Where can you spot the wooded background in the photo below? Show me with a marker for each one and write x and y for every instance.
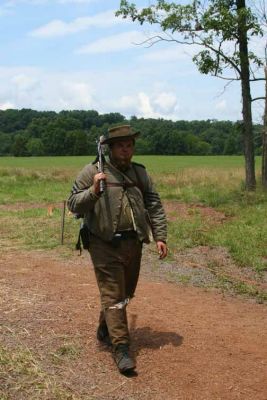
(37, 133)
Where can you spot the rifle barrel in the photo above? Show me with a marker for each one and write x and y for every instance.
(100, 166)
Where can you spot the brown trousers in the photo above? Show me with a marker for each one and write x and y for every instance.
(117, 271)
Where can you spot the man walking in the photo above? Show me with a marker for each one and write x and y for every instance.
(126, 215)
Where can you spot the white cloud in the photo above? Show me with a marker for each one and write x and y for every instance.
(76, 1)
(42, 90)
(24, 81)
(139, 104)
(53, 28)
(37, 89)
(7, 7)
(75, 95)
(14, 3)
(4, 10)
(7, 105)
(221, 106)
(258, 45)
(153, 105)
(25, 87)
(145, 107)
(113, 43)
(9, 4)
(60, 28)
(128, 103)
(166, 101)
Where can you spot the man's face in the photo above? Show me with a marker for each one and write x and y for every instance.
(122, 152)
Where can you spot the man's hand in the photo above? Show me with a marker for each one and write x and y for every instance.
(96, 183)
(162, 249)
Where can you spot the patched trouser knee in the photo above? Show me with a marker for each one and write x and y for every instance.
(116, 320)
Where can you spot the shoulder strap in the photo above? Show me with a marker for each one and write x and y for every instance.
(139, 180)
(130, 182)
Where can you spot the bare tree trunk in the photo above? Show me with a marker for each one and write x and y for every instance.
(246, 98)
(264, 139)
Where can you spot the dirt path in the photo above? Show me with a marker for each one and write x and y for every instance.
(189, 343)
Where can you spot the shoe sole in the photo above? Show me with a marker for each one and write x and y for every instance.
(127, 369)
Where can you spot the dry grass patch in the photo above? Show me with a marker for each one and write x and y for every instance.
(22, 377)
(193, 176)
(58, 174)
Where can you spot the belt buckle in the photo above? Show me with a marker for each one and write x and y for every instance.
(116, 239)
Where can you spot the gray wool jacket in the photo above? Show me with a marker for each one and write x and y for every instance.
(101, 213)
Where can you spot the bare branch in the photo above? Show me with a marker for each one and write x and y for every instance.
(225, 78)
(224, 88)
(258, 98)
(157, 38)
(257, 79)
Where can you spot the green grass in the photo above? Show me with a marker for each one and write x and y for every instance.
(185, 233)
(45, 162)
(153, 163)
(35, 229)
(65, 352)
(210, 180)
(216, 182)
(245, 236)
(22, 376)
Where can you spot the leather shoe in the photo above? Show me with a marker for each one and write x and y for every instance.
(124, 362)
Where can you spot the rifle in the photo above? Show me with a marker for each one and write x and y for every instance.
(84, 234)
(101, 160)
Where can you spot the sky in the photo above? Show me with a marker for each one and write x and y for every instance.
(75, 54)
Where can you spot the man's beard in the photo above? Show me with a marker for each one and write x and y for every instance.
(122, 164)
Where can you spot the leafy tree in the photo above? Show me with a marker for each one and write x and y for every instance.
(111, 118)
(5, 143)
(54, 142)
(49, 133)
(19, 148)
(38, 126)
(87, 118)
(80, 146)
(66, 123)
(142, 146)
(230, 147)
(212, 25)
(35, 147)
(94, 133)
(14, 120)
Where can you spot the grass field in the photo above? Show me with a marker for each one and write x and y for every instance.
(153, 163)
(189, 178)
(29, 185)
(214, 225)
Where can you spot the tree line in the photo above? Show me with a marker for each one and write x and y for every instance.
(28, 132)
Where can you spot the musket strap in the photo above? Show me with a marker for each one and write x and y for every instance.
(128, 182)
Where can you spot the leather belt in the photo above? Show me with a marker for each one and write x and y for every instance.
(125, 235)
